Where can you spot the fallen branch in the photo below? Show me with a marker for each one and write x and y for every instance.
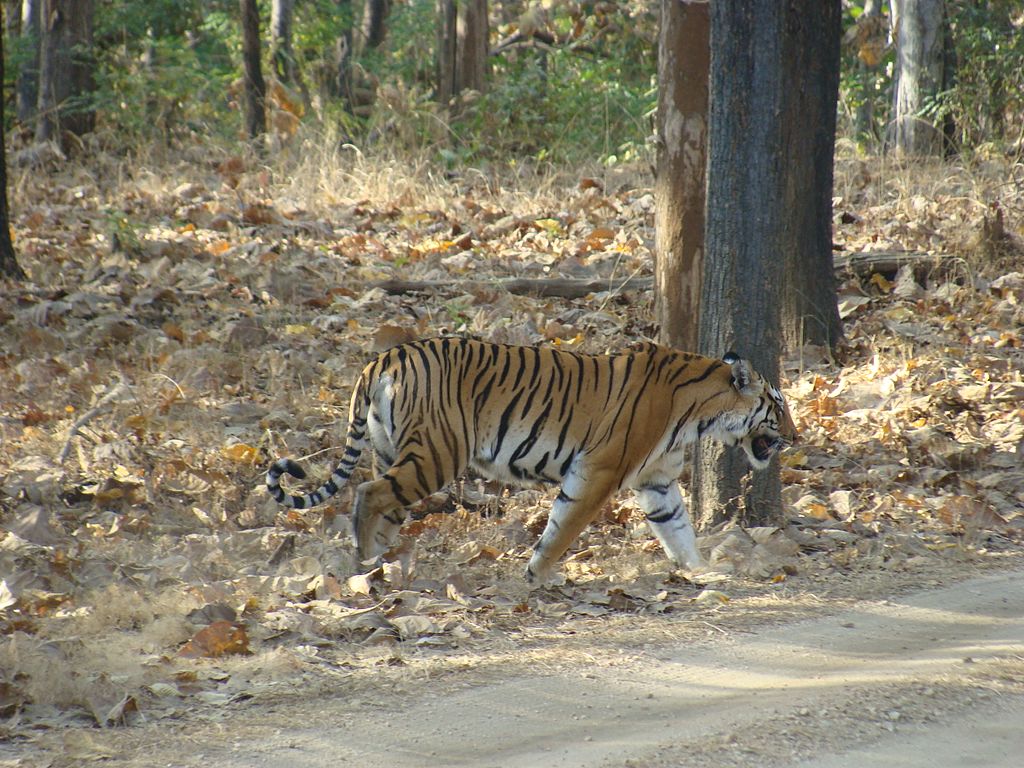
(862, 264)
(105, 401)
(566, 288)
(866, 263)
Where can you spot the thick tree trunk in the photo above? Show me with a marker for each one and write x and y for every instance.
(27, 86)
(744, 236)
(810, 312)
(472, 47)
(446, 47)
(66, 68)
(254, 87)
(919, 27)
(683, 60)
(9, 266)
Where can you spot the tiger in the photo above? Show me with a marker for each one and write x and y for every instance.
(594, 424)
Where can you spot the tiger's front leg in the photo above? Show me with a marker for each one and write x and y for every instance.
(577, 504)
(666, 514)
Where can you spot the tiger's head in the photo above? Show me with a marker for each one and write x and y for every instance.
(767, 426)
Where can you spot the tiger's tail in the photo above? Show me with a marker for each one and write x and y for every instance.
(355, 442)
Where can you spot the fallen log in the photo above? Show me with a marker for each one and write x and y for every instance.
(562, 287)
(862, 264)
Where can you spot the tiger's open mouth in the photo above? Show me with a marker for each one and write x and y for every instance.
(764, 447)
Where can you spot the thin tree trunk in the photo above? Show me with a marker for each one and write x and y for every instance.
(472, 48)
(339, 84)
(918, 75)
(282, 13)
(66, 69)
(374, 27)
(255, 89)
(27, 87)
(9, 266)
(683, 60)
(743, 237)
(446, 47)
(810, 312)
(864, 119)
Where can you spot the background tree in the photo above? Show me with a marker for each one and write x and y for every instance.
(683, 61)
(9, 266)
(254, 87)
(67, 67)
(919, 76)
(282, 54)
(27, 82)
(744, 233)
(472, 49)
(446, 47)
(811, 38)
(373, 28)
(462, 48)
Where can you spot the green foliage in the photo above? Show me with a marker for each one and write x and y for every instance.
(164, 66)
(587, 96)
(570, 81)
(558, 108)
(986, 100)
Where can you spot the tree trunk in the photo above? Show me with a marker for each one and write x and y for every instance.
(66, 67)
(446, 47)
(472, 48)
(9, 266)
(255, 89)
(339, 83)
(864, 119)
(744, 236)
(27, 86)
(374, 26)
(810, 312)
(683, 61)
(918, 76)
(282, 13)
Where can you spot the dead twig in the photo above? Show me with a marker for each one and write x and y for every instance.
(104, 402)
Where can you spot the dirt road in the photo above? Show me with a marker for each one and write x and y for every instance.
(931, 678)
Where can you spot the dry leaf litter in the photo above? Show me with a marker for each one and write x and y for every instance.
(180, 334)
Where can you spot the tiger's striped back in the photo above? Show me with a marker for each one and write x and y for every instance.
(594, 424)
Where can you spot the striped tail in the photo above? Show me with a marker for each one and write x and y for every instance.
(355, 441)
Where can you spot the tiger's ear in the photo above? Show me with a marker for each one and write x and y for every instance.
(742, 376)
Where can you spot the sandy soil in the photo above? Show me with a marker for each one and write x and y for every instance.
(933, 677)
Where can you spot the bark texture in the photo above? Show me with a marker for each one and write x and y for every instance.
(282, 13)
(9, 266)
(684, 57)
(919, 75)
(254, 87)
(27, 85)
(374, 25)
(66, 67)
(810, 314)
(744, 236)
(472, 49)
(446, 48)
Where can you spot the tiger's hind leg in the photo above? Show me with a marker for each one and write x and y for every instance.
(381, 505)
(666, 514)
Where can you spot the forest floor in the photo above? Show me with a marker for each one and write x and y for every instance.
(188, 321)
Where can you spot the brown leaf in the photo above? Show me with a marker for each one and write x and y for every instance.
(968, 512)
(219, 639)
